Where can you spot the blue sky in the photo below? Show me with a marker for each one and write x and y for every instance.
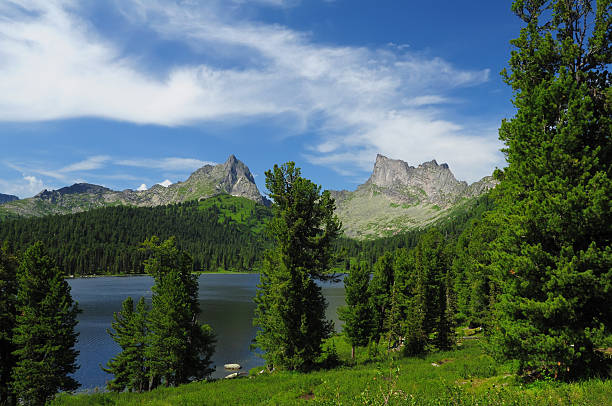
(129, 92)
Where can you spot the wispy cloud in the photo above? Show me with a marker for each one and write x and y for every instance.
(29, 184)
(363, 100)
(89, 164)
(167, 164)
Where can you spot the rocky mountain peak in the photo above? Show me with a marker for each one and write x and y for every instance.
(77, 188)
(7, 198)
(232, 177)
(429, 182)
(237, 169)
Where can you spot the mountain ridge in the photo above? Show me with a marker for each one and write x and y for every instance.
(399, 197)
(7, 198)
(232, 177)
(396, 197)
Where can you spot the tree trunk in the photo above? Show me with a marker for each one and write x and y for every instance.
(352, 352)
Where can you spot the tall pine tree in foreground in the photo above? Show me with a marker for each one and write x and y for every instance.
(357, 314)
(179, 348)
(381, 288)
(44, 333)
(8, 302)
(290, 309)
(553, 257)
(129, 331)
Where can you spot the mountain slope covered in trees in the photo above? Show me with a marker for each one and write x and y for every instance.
(222, 232)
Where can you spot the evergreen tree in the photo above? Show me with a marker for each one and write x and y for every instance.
(553, 257)
(432, 289)
(130, 331)
(472, 273)
(8, 298)
(381, 292)
(408, 312)
(179, 348)
(290, 309)
(357, 315)
(44, 332)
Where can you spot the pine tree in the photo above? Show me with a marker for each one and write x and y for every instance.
(130, 331)
(381, 291)
(290, 309)
(432, 289)
(357, 315)
(8, 302)
(44, 332)
(553, 257)
(179, 348)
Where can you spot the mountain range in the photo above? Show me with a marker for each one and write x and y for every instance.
(395, 198)
(7, 198)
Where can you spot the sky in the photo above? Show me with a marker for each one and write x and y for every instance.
(130, 93)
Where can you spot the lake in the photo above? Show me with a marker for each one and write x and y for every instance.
(226, 301)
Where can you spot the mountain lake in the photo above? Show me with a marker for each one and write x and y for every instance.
(226, 302)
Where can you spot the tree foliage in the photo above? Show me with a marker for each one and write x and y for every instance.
(222, 232)
(553, 255)
(290, 309)
(129, 331)
(8, 312)
(44, 330)
(179, 348)
(357, 314)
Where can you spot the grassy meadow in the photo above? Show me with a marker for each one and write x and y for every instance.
(465, 376)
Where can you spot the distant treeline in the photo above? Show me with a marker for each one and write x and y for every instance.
(222, 232)
(107, 240)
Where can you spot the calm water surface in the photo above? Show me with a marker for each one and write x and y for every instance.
(227, 306)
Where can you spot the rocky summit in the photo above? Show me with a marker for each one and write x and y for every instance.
(7, 198)
(399, 197)
(232, 177)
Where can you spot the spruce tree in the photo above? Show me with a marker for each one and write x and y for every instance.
(553, 257)
(432, 290)
(357, 314)
(44, 333)
(8, 302)
(408, 312)
(130, 332)
(179, 348)
(381, 292)
(290, 309)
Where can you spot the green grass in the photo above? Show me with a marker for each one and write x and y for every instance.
(239, 210)
(466, 376)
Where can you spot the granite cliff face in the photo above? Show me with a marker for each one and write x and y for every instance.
(399, 197)
(232, 177)
(7, 198)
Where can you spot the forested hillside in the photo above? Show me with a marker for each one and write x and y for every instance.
(222, 232)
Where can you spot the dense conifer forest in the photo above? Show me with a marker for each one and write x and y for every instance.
(220, 233)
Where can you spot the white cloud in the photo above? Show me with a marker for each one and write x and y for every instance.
(165, 183)
(167, 164)
(142, 187)
(94, 162)
(63, 174)
(55, 66)
(27, 186)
